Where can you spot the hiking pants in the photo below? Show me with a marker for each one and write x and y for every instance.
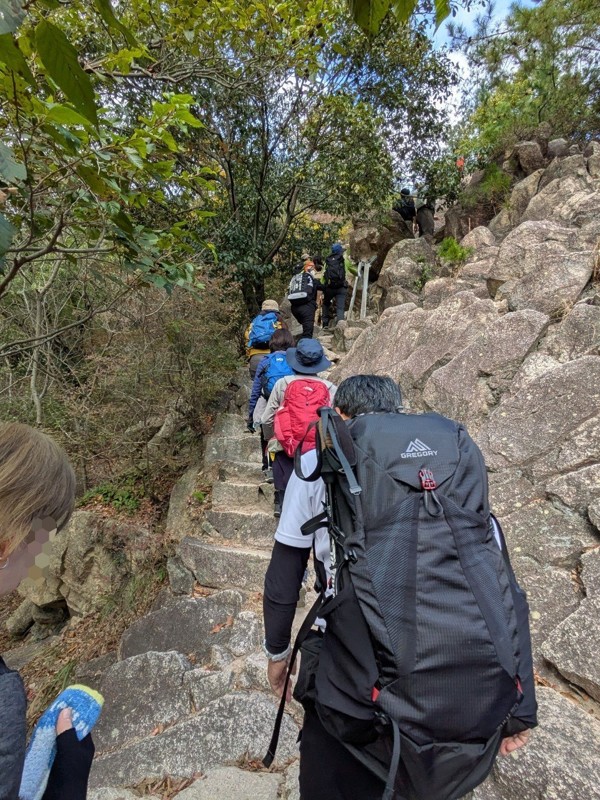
(283, 466)
(339, 295)
(305, 314)
(425, 221)
(328, 771)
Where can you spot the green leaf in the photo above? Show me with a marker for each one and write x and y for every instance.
(369, 14)
(59, 57)
(123, 222)
(11, 15)
(403, 9)
(6, 234)
(14, 58)
(10, 169)
(66, 116)
(442, 10)
(95, 182)
(104, 8)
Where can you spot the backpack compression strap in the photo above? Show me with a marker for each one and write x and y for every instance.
(309, 621)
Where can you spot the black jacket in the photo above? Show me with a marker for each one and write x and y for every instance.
(13, 706)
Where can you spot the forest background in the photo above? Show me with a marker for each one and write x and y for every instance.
(162, 166)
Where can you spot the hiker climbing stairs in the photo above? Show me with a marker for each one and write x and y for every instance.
(188, 691)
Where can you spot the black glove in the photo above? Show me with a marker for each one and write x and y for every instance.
(250, 426)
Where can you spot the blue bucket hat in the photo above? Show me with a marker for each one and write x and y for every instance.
(307, 357)
(337, 249)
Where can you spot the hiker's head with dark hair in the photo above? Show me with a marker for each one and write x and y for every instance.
(281, 340)
(363, 394)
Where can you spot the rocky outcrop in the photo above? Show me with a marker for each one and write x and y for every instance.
(371, 240)
(90, 561)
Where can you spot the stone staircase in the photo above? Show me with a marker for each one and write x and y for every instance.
(187, 693)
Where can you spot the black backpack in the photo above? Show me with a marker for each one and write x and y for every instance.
(301, 288)
(335, 272)
(426, 659)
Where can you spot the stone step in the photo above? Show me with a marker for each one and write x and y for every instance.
(229, 425)
(244, 449)
(230, 728)
(253, 528)
(228, 496)
(185, 624)
(240, 472)
(225, 567)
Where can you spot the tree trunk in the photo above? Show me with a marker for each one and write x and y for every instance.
(253, 292)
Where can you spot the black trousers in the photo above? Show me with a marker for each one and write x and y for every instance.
(283, 466)
(327, 770)
(305, 314)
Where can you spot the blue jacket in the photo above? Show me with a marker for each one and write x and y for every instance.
(256, 387)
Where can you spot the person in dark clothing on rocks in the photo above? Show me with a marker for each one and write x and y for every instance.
(303, 296)
(37, 492)
(425, 206)
(306, 361)
(405, 206)
(270, 369)
(335, 283)
(329, 770)
(258, 333)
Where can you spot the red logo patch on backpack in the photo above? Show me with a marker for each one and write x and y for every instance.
(301, 401)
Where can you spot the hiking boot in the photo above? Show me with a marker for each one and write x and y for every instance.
(267, 475)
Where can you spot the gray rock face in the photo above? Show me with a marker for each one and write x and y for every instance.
(402, 272)
(479, 237)
(542, 266)
(181, 580)
(578, 334)
(549, 536)
(577, 489)
(225, 567)
(227, 729)
(394, 296)
(574, 645)
(231, 783)
(530, 157)
(247, 634)
(21, 619)
(207, 685)
(562, 760)
(552, 595)
(436, 291)
(105, 793)
(180, 520)
(558, 148)
(143, 691)
(465, 388)
(186, 625)
(512, 213)
(510, 490)
(525, 427)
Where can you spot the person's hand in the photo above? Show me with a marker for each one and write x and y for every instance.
(64, 721)
(250, 426)
(276, 672)
(511, 743)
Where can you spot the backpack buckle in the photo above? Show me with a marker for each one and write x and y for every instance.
(428, 483)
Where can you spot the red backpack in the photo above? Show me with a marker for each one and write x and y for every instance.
(301, 400)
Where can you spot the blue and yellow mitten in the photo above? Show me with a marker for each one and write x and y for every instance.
(86, 705)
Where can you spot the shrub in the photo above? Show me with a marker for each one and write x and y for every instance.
(454, 253)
